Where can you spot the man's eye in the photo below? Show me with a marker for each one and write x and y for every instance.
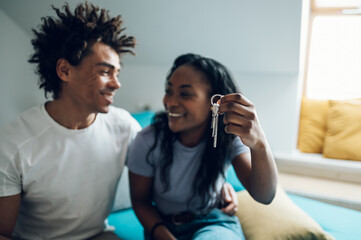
(104, 72)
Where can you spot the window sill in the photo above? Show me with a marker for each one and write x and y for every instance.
(333, 181)
(315, 165)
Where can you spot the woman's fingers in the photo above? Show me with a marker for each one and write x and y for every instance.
(236, 103)
(240, 118)
(236, 97)
(237, 119)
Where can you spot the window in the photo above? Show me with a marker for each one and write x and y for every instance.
(333, 57)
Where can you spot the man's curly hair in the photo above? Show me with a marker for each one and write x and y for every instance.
(71, 36)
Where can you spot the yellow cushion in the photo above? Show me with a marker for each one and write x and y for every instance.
(282, 219)
(343, 136)
(312, 127)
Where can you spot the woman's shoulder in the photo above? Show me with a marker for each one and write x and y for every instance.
(146, 136)
(147, 132)
(139, 160)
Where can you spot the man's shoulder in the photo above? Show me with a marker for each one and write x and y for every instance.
(120, 118)
(22, 128)
(119, 114)
(29, 119)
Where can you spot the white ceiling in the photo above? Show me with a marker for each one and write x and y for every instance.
(252, 36)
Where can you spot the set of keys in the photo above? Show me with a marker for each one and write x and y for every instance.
(214, 124)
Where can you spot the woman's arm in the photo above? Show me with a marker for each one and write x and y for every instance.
(141, 196)
(257, 171)
(260, 179)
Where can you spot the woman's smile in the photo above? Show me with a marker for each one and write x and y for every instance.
(175, 115)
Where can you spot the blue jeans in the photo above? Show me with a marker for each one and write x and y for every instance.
(214, 225)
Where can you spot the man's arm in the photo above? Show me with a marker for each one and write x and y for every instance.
(229, 198)
(9, 208)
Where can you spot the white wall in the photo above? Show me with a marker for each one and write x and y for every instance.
(258, 40)
(274, 95)
(18, 82)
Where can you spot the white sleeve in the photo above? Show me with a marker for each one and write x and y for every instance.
(10, 175)
(237, 148)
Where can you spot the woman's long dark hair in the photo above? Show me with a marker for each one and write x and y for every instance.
(213, 159)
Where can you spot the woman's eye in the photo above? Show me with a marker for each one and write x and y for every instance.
(168, 92)
(186, 94)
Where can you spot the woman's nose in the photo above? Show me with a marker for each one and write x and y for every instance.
(172, 101)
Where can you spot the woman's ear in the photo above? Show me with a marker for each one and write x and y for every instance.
(62, 69)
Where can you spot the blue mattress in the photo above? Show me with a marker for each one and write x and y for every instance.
(342, 223)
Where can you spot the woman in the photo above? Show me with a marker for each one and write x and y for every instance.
(176, 174)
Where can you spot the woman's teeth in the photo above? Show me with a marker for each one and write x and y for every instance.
(175, 114)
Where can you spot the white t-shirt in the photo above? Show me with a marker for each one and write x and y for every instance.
(67, 177)
(182, 173)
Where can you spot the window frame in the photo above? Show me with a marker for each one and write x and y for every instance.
(315, 11)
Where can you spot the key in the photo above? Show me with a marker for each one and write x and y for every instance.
(215, 108)
(214, 124)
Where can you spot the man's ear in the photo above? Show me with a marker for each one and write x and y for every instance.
(62, 69)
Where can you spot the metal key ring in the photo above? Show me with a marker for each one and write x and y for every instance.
(215, 95)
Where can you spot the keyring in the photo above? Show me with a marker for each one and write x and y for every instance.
(214, 96)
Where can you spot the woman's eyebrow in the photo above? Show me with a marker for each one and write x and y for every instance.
(186, 86)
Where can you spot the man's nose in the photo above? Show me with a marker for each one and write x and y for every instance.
(114, 83)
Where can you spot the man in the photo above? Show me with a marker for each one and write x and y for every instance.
(60, 162)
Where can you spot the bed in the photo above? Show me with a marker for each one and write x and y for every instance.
(289, 214)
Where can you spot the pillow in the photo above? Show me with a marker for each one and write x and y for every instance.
(282, 219)
(122, 194)
(343, 136)
(312, 126)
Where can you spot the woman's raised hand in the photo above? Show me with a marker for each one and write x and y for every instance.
(241, 119)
